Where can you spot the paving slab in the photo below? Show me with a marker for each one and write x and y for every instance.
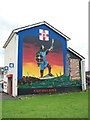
(5, 96)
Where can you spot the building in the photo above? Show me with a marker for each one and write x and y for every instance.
(1, 79)
(1, 73)
(26, 69)
(88, 78)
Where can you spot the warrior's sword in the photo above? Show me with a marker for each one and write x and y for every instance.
(52, 42)
(52, 45)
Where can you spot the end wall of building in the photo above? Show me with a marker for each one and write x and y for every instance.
(11, 57)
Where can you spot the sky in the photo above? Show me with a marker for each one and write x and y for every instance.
(68, 16)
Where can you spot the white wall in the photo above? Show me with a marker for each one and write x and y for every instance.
(11, 55)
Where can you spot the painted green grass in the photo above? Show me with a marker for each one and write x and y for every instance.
(71, 105)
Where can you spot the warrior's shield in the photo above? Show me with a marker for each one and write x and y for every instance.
(39, 58)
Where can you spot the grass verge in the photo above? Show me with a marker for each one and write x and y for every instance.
(70, 105)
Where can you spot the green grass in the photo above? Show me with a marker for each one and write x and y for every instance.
(71, 105)
(0, 109)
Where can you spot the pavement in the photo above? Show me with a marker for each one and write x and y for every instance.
(5, 96)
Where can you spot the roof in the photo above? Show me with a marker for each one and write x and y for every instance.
(76, 53)
(87, 72)
(30, 26)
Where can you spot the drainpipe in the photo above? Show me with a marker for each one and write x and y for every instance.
(83, 76)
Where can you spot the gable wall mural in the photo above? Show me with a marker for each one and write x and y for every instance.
(30, 43)
(43, 61)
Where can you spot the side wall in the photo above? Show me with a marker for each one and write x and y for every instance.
(11, 57)
(75, 66)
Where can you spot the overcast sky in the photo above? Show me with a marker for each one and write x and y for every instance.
(68, 16)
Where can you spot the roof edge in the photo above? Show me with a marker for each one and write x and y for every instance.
(9, 39)
(76, 53)
(34, 25)
(67, 38)
(27, 27)
(41, 23)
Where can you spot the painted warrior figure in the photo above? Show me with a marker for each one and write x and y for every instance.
(41, 59)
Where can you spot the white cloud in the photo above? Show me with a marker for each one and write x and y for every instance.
(68, 16)
(1, 57)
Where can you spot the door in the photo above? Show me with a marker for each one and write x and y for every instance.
(10, 86)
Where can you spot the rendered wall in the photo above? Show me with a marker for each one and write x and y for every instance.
(11, 57)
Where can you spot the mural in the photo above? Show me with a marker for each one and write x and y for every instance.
(42, 56)
(43, 64)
